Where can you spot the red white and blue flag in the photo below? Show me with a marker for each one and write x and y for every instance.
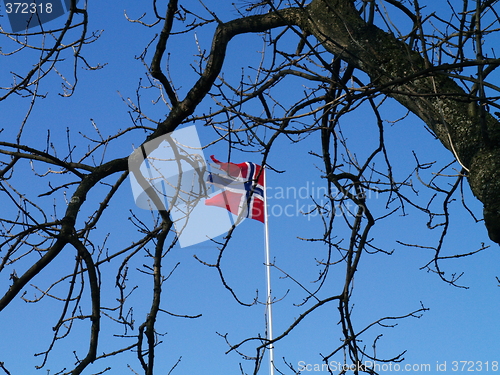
(243, 189)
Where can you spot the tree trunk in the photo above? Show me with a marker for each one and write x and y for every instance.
(403, 74)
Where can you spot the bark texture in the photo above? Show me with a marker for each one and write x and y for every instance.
(403, 74)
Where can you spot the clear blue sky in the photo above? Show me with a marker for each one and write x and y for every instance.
(461, 325)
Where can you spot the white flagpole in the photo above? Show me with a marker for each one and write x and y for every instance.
(268, 277)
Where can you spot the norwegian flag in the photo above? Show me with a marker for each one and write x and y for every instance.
(243, 186)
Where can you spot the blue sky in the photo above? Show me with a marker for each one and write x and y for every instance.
(461, 324)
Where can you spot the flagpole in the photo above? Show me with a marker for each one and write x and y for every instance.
(268, 278)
